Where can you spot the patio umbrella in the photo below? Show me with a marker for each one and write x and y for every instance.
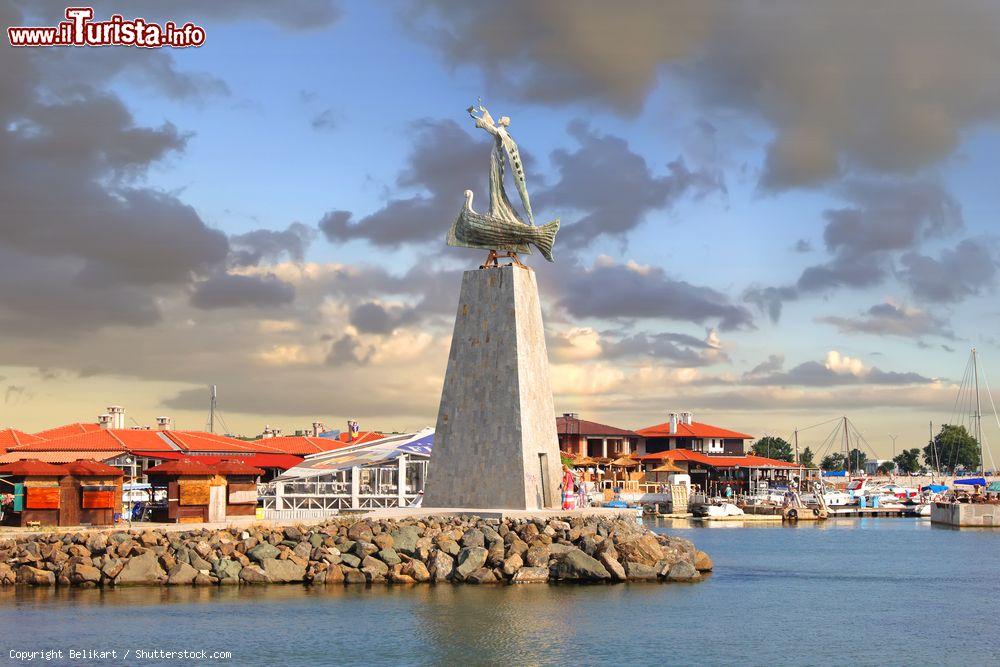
(580, 461)
(624, 462)
(667, 466)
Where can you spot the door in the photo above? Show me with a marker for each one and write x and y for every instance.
(543, 461)
(217, 504)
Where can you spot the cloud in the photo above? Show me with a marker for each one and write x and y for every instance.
(670, 348)
(957, 273)
(888, 319)
(376, 318)
(836, 369)
(326, 120)
(562, 52)
(883, 219)
(887, 88)
(772, 364)
(269, 245)
(632, 291)
(444, 162)
(228, 290)
(613, 187)
(802, 246)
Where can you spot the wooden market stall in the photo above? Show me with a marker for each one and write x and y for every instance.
(241, 487)
(195, 493)
(35, 491)
(95, 494)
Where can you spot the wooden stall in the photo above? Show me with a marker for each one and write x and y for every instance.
(95, 494)
(241, 487)
(190, 496)
(37, 492)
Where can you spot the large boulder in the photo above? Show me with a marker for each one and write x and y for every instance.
(483, 575)
(417, 570)
(470, 559)
(253, 574)
(512, 564)
(262, 552)
(82, 574)
(181, 574)
(404, 539)
(575, 565)
(640, 571)
(228, 571)
(682, 571)
(140, 570)
(531, 575)
(374, 569)
(642, 548)
(7, 575)
(283, 571)
(33, 576)
(613, 566)
(473, 538)
(702, 562)
(441, 566)
(360, 531)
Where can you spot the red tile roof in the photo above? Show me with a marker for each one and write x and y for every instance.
(32, 468)
(692, 430)
(748, 461)
(568, 426)
(299, 444)
(58, 457)
(363, 436)
(237, 468)
(11, 437)
(201, 441)
(92, 469)
(103, 440)
(67, 429)
(282, 461)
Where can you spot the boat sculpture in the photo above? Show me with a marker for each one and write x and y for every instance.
(501, 228)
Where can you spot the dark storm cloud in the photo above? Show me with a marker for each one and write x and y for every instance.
(613, 187)
(445, 161)
(772, 364)
(227, 290)
(882, 220)
(626, 291)
(270, 245)
(374, 318)
(887, 86)
(963, 271)
(887, 319)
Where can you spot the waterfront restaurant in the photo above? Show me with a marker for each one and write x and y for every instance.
(582, 438)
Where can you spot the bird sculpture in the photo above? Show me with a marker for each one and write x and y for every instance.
(501, 229)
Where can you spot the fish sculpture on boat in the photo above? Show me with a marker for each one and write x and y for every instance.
(501, 228)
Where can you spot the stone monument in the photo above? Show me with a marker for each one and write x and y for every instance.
(496, 445)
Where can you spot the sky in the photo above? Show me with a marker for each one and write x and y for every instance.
(773, 213)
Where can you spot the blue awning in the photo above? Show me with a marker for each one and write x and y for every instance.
(935, 488)
(972, 481)
(835, 473)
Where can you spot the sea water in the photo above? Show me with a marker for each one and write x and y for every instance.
(845, 592)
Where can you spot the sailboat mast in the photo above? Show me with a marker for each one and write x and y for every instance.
(979, 412)
(847, 446)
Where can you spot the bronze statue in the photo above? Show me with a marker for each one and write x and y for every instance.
(502, 229)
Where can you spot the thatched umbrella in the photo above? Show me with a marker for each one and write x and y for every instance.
(581, 461)
(666, 466)
(624, 462)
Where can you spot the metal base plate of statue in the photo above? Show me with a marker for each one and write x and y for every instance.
(496, 444)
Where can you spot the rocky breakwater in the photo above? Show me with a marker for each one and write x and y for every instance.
(349, 551)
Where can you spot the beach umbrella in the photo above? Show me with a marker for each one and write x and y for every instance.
(624, 462)
(583, 461)
(667, 466)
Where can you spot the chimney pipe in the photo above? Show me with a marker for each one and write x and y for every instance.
(317, 429)
(117, 414)
(673, 423)
(104, 420)
(686, 417)
(163, 423)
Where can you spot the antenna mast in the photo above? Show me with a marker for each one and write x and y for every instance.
(211, 412)
(978, 416)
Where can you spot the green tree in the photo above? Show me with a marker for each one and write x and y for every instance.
(956, 448)
(806, 458)
(773, 448)
(833, 461)
(886, 467)
(908, 461)
(856, 460)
